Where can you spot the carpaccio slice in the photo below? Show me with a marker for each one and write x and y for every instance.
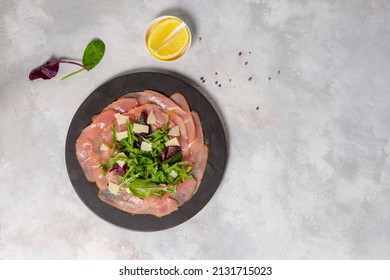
(173, 111)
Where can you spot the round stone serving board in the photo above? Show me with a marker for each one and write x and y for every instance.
(166, 84)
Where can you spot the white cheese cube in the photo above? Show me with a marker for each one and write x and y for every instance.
(140, 128)
(151, 118)
(120, 119)
(113, 188)
(121, 155)
(174, 131)
(103, 147)
(173, 174)
(145, 146)
(172, 142)
(121, 135)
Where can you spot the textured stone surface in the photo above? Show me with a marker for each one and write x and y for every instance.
(309, 172)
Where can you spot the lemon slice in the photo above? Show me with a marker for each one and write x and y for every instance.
(168, 39)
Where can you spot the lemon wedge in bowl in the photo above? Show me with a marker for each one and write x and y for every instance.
(168, 38)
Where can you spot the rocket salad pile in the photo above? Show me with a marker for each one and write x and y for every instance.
(146, 163)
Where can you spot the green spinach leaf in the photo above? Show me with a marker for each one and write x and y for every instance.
(93, 53)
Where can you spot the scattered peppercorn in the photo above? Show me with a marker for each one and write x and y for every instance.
(279, 72)
(219, 85)
(269, 78)
(250, 79)
(257, 108)
(240, 53)
(230, 80)
(246, 63)
(250, 52)
(216, 73)
(200, 38)
(216, 82)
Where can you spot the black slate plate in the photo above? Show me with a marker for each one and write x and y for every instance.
(166, 84)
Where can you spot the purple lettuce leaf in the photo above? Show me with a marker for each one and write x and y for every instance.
(143, 118)
(50, 69)
(119, 170)
(170, 154)
(46, 71)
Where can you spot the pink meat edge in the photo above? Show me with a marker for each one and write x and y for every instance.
(176, 120)
(134, 205)
(151, 96)
(185, 191)
(199, 167)
(181, 101)
(95, 142)
(123, 104)
(161, 115)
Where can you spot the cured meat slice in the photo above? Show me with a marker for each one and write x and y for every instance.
(199, 164)
(161, 116)
(88, 150)
(180, 100)
(183, 139)
(197, 140)
(123, 105)
(185, 191)
(153, 205)
(150, 96)
(196, 145)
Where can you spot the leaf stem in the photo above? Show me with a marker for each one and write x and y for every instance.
(75, 63)
(71, 74)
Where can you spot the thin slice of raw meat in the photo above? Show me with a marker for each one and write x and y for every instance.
(196, 145)
(161, 116)
(153, 205)
(123, 105)
(150, 96)
(88, 144)
(176, 120)
(200, 163)
(180, 100)
(184, 191)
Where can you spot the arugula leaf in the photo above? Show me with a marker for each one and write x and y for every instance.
(107, 166)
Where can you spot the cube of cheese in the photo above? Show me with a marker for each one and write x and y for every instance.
(173, 174)
(113, 188)
(121, 135)
(145, 146)
(103, 147)
(151, 118)
(174, 131)
(140, 128)
(172, 142)
(120, 119)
